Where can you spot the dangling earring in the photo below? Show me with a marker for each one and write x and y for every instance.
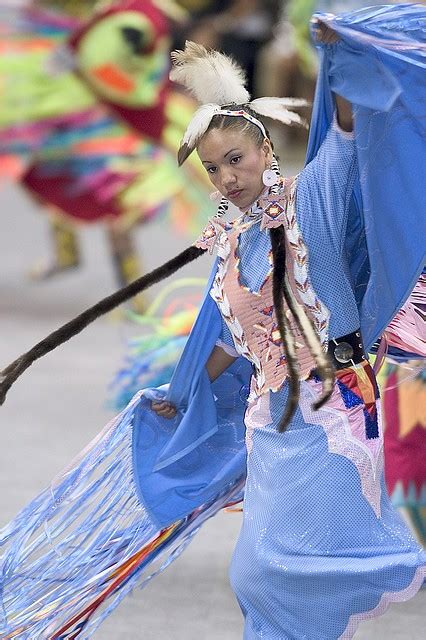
(215, 195)
(269, 177)
(275, 167)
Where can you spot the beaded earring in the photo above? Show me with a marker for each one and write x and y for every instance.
(275, 168)
(271, 175)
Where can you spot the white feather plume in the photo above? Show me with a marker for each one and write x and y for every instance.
(210, 76)
(277, 109)
(196, 129)
(199, 124)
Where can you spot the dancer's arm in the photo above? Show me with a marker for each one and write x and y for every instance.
(325, 35)
(217, 363)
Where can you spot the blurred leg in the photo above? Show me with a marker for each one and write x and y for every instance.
(125, 259)
(66, 252)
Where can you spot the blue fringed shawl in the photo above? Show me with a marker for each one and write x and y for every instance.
(380, 66)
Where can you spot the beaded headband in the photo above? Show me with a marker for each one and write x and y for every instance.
(243, 114)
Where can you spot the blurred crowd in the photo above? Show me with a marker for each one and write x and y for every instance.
(265, 38)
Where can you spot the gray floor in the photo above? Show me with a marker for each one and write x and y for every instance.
(59, 405)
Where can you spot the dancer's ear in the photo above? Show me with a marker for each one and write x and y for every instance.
(267, 151)
(12, 372)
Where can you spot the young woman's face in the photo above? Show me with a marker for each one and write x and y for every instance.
(235, 164)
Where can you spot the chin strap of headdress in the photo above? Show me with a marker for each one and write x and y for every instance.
(217, 82)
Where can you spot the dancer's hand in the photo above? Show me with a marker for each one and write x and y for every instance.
(324, 33)
(164, 409)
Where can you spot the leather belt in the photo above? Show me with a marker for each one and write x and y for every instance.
(346, 351)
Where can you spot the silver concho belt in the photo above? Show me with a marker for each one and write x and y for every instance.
(346, 351)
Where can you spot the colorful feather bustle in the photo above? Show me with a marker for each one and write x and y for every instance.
(152, 357)
(406, 334)
(404, 412)
(87, 541)
(34, 102)
(72, 151)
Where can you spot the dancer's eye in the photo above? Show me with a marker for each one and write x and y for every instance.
(211, 169)
(235, 159)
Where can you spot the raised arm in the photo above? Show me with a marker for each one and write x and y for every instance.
(325, 35)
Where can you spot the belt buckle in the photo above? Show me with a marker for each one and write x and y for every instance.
(344, 351)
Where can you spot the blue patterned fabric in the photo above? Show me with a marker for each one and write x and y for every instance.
(311, 551)
(379, 65)
(309, 535)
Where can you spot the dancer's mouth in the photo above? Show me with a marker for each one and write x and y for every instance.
(234, 194)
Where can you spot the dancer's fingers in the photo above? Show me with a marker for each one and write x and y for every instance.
(324, 33)
(164, 409)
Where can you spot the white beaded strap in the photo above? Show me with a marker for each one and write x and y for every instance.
(243, 114)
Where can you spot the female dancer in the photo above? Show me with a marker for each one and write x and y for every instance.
(275, 359)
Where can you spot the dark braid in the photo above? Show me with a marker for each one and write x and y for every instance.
(278, 253)
(282, 291)
(12, 372)
(324, 367)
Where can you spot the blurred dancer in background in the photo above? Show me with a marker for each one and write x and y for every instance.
(403, 383)
(94, 129)
(239, 28)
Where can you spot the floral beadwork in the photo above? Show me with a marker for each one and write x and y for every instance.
(209, 235)
(274, 212)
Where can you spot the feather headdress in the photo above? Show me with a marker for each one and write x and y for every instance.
(210, 76)
(277, 109)
(215, 80)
